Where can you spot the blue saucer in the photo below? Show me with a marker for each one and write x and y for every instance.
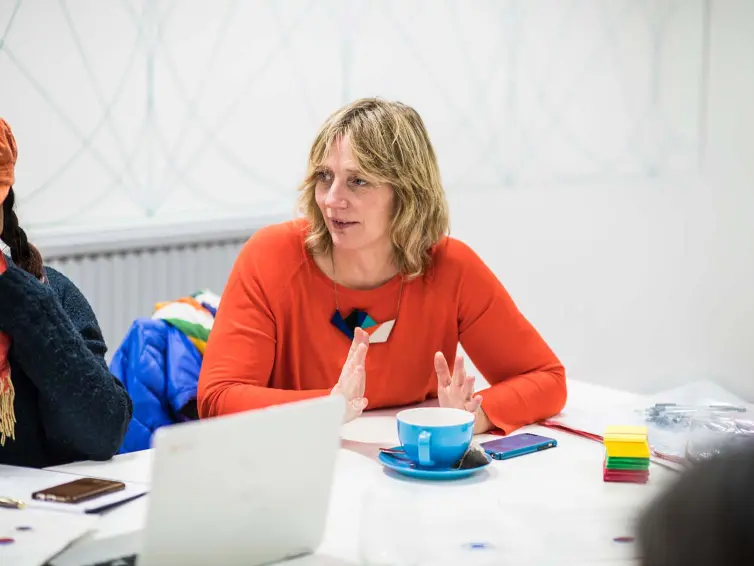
(403, 465)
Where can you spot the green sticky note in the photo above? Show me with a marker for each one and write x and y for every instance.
(627, 463)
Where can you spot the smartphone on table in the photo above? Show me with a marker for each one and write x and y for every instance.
(517, 445)
(76, 491)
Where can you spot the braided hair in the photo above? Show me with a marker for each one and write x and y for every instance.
(23, 253)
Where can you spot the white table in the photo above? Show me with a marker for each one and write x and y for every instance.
(547, 508)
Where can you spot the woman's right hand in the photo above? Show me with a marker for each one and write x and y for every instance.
(352, 382)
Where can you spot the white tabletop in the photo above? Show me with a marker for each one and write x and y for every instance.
(549, 507)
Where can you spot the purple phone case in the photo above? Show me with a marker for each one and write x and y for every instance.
(517, 445)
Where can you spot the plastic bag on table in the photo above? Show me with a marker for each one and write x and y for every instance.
(712, 433)
(685, 424)
(692, 433)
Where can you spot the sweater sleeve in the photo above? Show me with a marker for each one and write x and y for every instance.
(527, 380)
(240, 352)
(85, 411)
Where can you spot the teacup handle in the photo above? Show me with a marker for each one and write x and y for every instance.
(423, 442)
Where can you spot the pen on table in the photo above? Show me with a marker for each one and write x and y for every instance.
(8, 503)
(713, 407)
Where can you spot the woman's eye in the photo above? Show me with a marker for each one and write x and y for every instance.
(359, 182)
(324, 176)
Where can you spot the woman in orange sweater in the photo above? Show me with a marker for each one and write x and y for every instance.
(367, 297)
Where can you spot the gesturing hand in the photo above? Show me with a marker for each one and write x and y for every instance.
(352, 381)
(457, 390)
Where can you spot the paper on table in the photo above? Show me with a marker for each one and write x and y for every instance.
(135, 467)
(668, 444)
(39, 535)
(596, 420)
(19, 483)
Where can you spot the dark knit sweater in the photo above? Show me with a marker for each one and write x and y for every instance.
(68, 405)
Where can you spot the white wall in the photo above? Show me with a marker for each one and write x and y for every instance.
(730, 140)
(645, 285)
(597, 154)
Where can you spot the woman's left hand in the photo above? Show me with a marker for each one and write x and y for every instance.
(457, 390)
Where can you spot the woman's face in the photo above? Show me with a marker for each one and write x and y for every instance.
(357, 210)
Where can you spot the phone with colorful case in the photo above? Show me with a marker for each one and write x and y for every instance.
(517, 445)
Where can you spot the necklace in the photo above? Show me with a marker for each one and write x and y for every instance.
(378, 332)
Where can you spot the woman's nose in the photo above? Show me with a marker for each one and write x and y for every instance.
(335, 197)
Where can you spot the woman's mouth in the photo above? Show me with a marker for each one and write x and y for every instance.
(342, 224)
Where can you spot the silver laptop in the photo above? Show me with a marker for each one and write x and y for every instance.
(245, 489)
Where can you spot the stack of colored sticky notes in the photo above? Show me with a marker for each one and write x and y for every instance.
(626, 454)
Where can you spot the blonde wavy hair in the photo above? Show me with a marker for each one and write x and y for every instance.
(390, 144)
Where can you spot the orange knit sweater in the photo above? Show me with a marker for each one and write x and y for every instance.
(273, 342)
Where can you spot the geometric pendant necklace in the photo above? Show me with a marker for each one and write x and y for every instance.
(378, 331)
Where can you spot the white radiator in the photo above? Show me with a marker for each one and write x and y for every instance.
(124, 275)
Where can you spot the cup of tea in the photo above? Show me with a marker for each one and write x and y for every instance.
(435, 437)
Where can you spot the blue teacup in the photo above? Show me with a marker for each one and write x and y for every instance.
(435, 437)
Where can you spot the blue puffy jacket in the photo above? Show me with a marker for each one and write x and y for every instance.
(159, 367)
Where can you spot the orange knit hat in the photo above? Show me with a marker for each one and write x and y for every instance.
(8, 156)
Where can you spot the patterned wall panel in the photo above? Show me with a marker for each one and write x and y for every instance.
(154, 111)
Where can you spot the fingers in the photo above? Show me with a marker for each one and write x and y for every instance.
(360, 338)
(456, 390)
(364, 336)
(357, 387)
(468, 387)
(473, 405)
(442, 370)
(359, 358)
(357, 339)
(360, 381)
(355, 408)
(352, 349)
(361, 335)
(352, 382)
(459, 372)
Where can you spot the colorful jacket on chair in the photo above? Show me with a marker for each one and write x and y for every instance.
(159, 362)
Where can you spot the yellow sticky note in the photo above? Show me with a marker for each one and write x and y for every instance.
(625, 437)
(623, 449)
(626, 441)
(630, 430)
